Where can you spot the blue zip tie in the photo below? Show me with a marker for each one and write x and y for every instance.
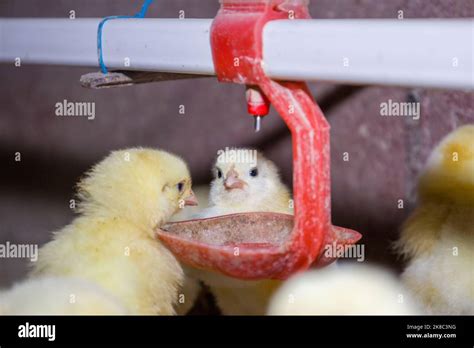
(140, 14)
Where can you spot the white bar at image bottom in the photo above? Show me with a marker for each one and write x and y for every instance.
(416, 52)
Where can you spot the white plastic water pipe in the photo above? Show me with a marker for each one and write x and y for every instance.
(430, 53)
(424, 52)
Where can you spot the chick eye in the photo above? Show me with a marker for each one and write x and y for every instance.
(219, 173)
(180, 186)
(254, 172)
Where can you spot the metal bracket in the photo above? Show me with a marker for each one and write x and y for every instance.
(98, 80)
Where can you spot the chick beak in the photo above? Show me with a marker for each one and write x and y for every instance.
(191, 199)
(232, 181)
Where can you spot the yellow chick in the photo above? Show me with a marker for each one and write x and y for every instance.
(438, 238)
(58, 296)
(347, 289)
(244, 181)
(112, 243)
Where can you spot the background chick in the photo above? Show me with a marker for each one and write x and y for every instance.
(346, 289)
(439, 236)
(243, 186)
(251, 185)
(191, 289)
(58, 296)
(123, 199)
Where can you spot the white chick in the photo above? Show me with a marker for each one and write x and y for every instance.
(244, 181)
(347, 289)
(438, 238)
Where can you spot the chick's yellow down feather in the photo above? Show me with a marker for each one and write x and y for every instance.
(244, 181)
(112, 242)
(58, 296)
(345, 289)
(438, 238)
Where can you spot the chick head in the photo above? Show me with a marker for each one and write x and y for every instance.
(449, 174)
(244, 178)
(144, 186)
